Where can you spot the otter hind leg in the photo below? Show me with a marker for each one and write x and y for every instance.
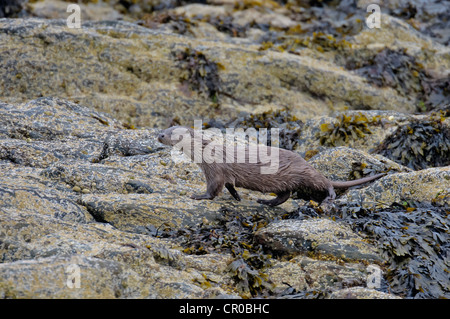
(331, 195)
(280, 199)
(233, 191)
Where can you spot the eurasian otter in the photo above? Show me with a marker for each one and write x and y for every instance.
(223, 167)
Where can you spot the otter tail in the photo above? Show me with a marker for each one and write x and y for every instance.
(356, 182)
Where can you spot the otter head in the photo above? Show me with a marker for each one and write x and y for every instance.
(174, 135)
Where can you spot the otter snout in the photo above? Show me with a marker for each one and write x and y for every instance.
(161, 137)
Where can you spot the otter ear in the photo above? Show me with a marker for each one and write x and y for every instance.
(179, 134)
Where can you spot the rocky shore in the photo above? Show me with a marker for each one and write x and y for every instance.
(93, 206)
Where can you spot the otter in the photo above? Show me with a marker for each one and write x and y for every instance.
(293, 173)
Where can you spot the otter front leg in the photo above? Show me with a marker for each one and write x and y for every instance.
(233, 191)
(213, 188)
(202, 196)
(280, 199)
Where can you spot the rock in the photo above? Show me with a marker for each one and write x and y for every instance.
(11, 8)
(201, 10)
(126, 265)
(50, 118)
(59, 277)
(317, 236)
(307, 274)
(342, 163)
(25, 190)
(54, 9)
(428, 185)
(361, 293)
(138, 187)
(376, 124)
(148, 94)
(85, 185)
(148, 212)
(255, 16)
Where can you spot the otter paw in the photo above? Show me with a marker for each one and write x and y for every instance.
(201, 196)
(265, 202)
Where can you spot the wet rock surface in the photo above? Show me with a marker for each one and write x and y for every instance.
(87, 190)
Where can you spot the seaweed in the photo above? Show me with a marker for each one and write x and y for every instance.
(246, 4)
(348, 127)
(199, 73)
(233, 234)
(419, 144)
(226, 25)
(11, 8)
(289, 126)
(248, 278)
(295, 38)
(326, 42)
(397, 69)
(179, 23)
(433, 23)
(414, 239)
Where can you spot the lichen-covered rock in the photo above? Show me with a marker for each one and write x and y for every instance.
(28, 195)
(342, 163)
(126, 265)
(78, 184)
(70, 277)
(144, 84)
(428, 185)
(82, 189)
(306, 274)
(361, 293)
(319, 236)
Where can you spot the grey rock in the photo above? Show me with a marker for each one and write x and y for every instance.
(318, 236)
(361, 293)
(428, 185)
(307, 274)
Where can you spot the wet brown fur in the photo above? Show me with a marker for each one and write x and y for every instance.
(294, 174)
